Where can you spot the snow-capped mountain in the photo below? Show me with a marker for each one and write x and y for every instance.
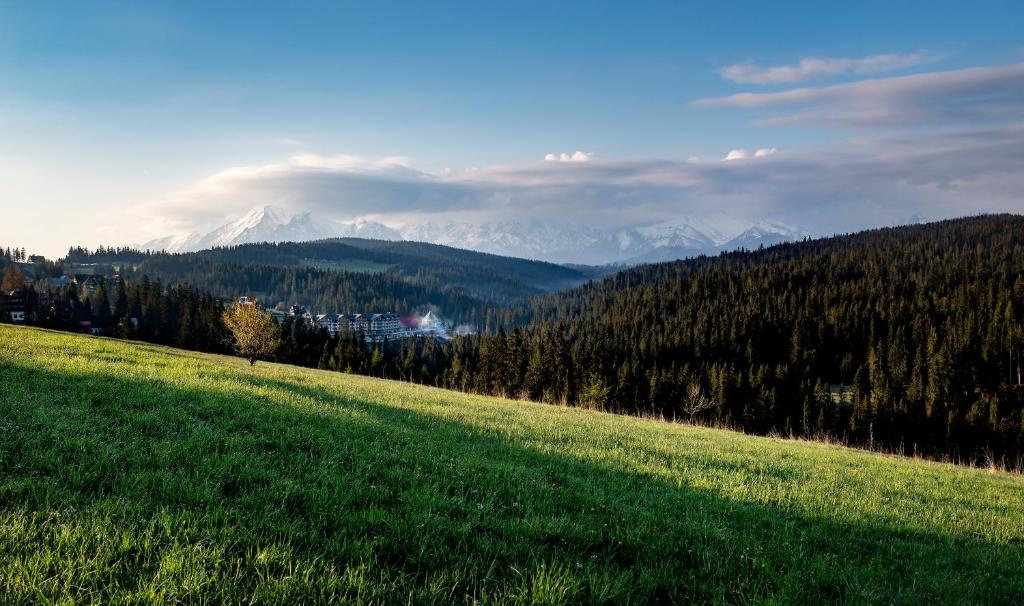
(533, 239)
(265, 224)
(272, 224)
(546, 240)
(765, 233)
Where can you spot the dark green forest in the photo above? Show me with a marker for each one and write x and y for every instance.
(906, 339)
(464, 285)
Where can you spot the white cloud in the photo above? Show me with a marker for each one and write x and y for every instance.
(742, 154)
(957, 97)
(815, 67)
(577, 156)
(870, 182)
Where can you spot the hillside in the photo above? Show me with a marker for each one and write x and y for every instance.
(907, 339)
(132, 472)
(348, 274)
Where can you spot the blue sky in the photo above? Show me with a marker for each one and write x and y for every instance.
(113, 118)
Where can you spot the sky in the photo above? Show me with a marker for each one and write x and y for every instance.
(124, 122)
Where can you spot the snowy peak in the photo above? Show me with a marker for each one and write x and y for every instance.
(273, 224)
(765, 233)
(370, 230)
(265, 215)
(559, 242)
(258, 225)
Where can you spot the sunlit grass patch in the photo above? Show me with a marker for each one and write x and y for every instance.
(131, 472)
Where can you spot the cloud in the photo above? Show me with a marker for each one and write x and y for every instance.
(742, 154)
(960, 97)
(578, 156)
(814, 67)
(340, 185)
(870, 182)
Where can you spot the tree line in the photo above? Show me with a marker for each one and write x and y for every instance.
(906, 339)
(468, 287)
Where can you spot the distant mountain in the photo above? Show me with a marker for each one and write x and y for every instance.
(545, 240)
(550, 241)
(765, 233)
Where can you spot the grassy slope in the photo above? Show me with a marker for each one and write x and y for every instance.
(355, 265)
(136, 472)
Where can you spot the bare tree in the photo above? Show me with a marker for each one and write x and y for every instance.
(255, 334)
(695, 401)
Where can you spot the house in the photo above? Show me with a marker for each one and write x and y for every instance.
(430, 324)
(89, 284)
(359, 323)
(61, 281)
(384, 324)
(376, 327)
(301, 313)
(36, 258)
(16, 307)
(329, 322)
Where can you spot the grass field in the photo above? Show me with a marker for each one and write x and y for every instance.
(137, 473)
(353, 265)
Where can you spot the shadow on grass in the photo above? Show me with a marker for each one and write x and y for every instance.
(212, 493)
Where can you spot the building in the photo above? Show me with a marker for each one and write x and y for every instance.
(64, 280)
(301, 313)
(329, 322)
(386, 323)
(89, 284)
(16, 307)
(375, 327)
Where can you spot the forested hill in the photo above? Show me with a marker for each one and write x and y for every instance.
(350, 274)
(899, 337)
(912, 256)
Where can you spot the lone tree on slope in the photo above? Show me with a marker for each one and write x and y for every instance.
(696, 402)
(256, 336)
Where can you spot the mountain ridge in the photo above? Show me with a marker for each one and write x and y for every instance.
(529, 239)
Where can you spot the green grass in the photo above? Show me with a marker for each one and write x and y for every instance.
(354, 265)
(136, 473)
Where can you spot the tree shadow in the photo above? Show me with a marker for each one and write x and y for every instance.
(251, 489)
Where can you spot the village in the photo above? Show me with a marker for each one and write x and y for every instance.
(375, 327)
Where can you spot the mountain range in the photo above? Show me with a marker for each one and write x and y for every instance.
(531, 239)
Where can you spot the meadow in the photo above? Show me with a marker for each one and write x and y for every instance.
(136, 473)
(354, 265)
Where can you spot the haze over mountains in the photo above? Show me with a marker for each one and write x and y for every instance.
(533, 239)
